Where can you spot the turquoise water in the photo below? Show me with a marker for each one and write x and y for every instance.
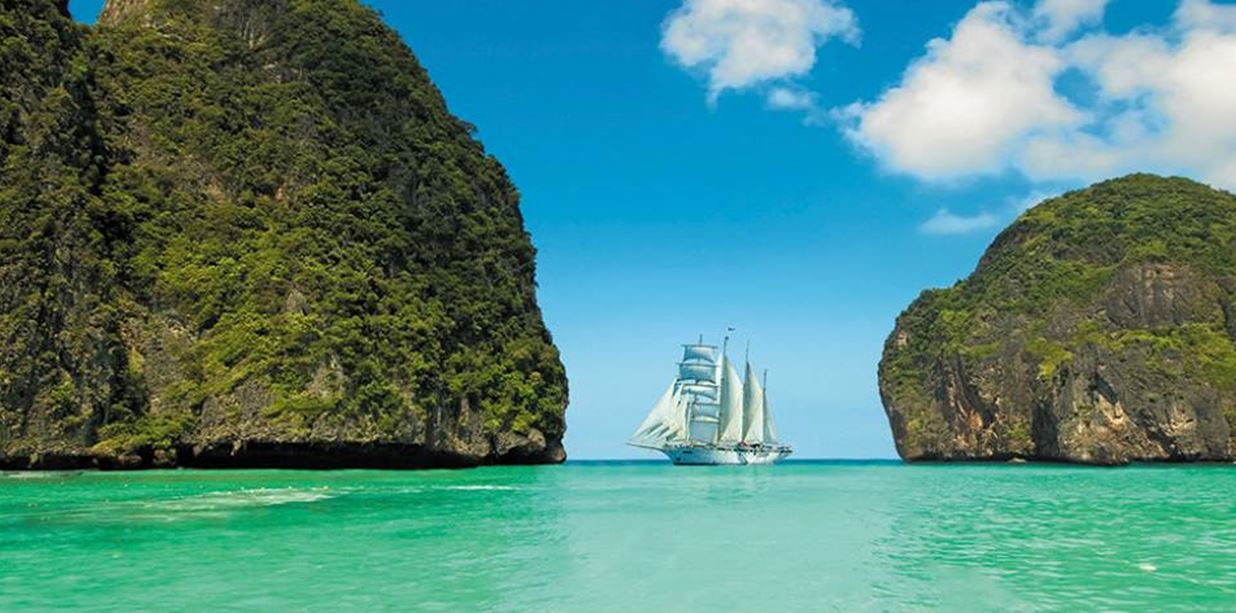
(625, 537)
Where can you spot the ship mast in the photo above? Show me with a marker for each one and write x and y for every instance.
(725, 357)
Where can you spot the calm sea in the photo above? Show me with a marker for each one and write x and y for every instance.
(804, 536)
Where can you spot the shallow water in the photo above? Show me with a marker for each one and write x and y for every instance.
(618, 537)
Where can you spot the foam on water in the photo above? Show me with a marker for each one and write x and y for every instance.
(258, 497)
(37, 475)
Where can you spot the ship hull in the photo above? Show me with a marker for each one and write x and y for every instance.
(718, 456)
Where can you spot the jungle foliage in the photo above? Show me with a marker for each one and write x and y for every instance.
(1045, 289)
(260, 205)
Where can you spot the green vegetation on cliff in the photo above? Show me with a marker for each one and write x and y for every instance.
(1128, 281)
(264, 226)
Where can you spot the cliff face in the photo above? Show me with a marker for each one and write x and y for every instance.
(1098, 328)
(248, 233)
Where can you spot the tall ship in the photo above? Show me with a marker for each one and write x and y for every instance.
(709, 415)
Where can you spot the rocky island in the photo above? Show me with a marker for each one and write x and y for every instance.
(250, 233)
(1098, 328)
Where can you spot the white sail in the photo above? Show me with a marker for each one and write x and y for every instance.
(703, 389)
(699, 352)
(678, 419)
(770, 426)
(753, 408)
(667, 421)
(703, 431)
(709, 411)
(696, 371)
(730, 429)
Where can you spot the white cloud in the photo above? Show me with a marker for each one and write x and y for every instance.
(946, 222)
(962, 107)
(1063, 17)
(784, 98)
(1167, 101)
(1204, 15)
(987, 100)
(741, 44)
(797, 99)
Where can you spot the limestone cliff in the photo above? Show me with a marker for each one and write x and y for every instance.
(250, 233)
(1097, 328)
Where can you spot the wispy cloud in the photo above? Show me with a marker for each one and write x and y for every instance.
(946, 222)
(755, 44)
(1025, 203)
(801, 100)
(785, 98)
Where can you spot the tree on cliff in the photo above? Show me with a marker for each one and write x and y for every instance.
(1099, 327)
(255, 222)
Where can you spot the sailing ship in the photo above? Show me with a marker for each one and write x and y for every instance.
(709, 416)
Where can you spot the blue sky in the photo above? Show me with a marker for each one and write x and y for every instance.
(800, 170)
